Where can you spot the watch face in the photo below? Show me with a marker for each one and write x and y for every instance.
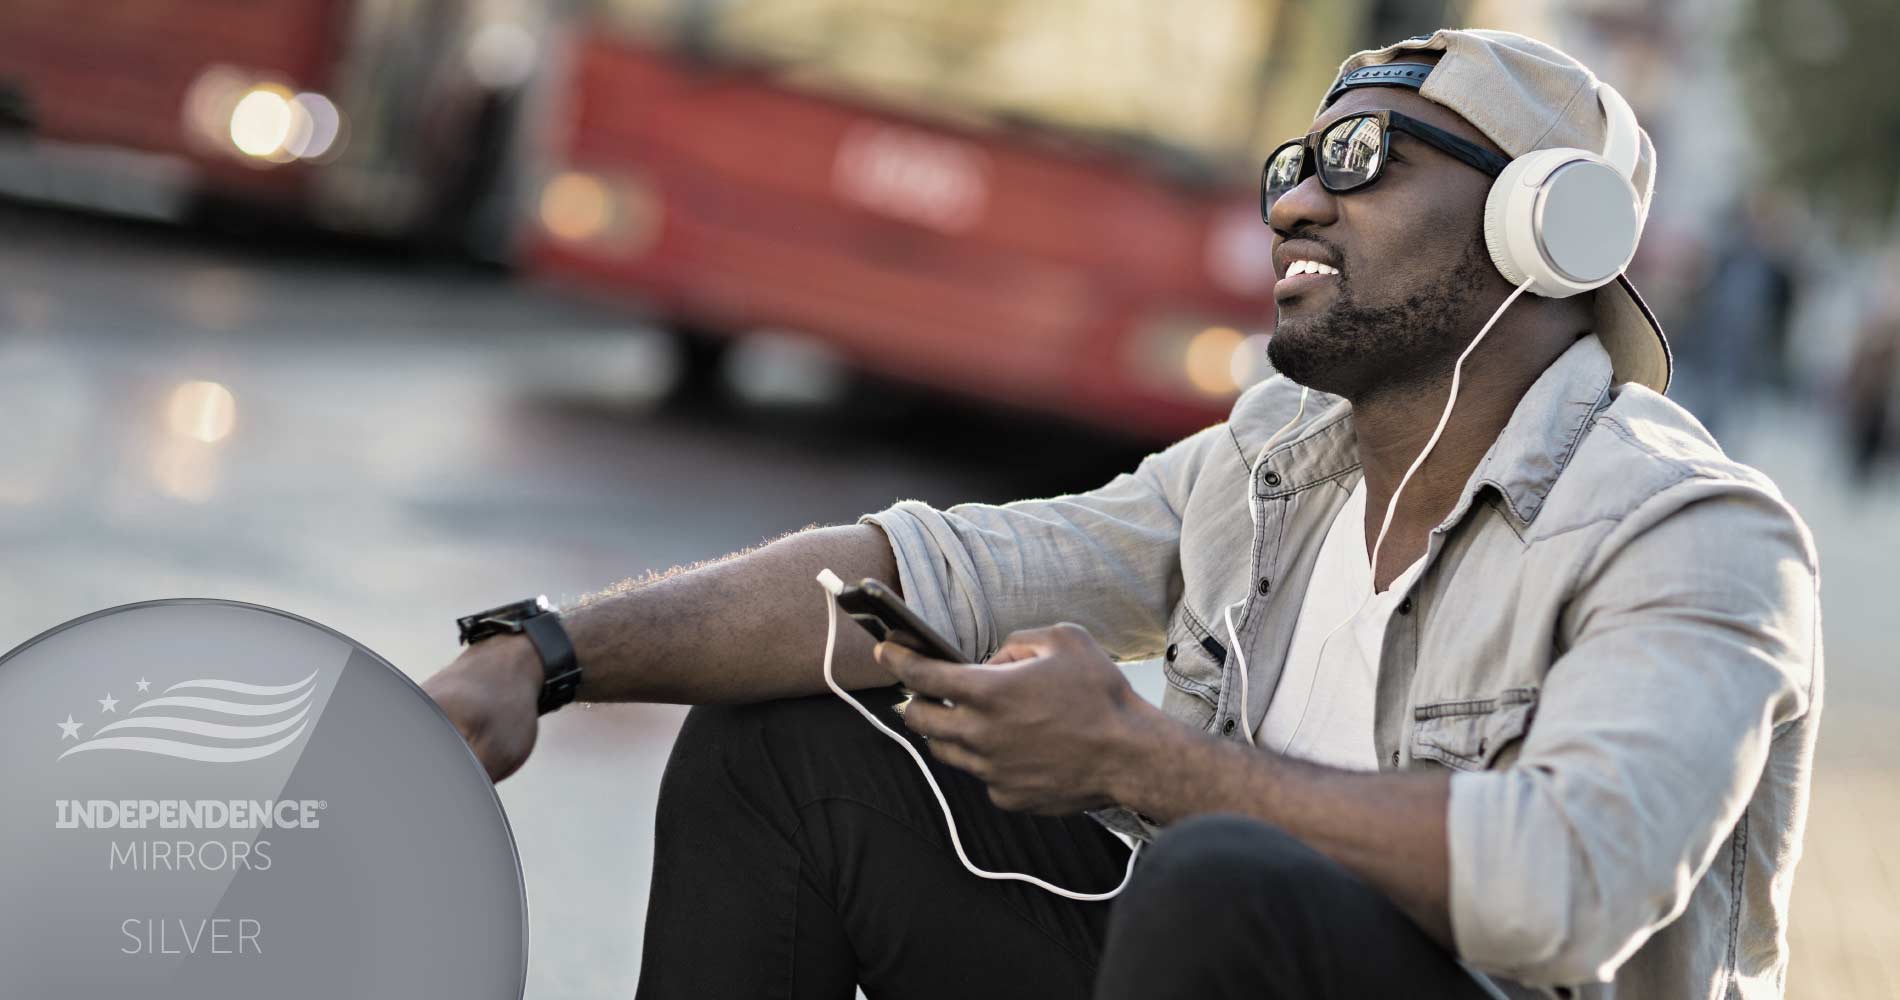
(205, 799)
(523, 609)
(507, 618)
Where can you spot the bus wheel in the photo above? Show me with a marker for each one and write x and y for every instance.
(702, 358)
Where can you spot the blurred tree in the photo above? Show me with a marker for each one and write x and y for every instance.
(1825, 105)
(1392, 20)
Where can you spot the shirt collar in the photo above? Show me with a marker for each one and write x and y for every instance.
(1542, 434)
(1521, 465)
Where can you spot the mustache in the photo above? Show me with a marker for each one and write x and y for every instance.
(1309, 235)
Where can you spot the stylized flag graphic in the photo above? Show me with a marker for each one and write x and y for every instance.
(264, 719)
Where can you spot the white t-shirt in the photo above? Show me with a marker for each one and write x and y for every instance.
(1322, 708)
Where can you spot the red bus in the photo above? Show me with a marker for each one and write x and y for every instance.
(383, 117)
(742, 174)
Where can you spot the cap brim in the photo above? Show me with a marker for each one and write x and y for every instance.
(1630, 334)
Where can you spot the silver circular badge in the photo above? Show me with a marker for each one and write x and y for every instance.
(204, 799)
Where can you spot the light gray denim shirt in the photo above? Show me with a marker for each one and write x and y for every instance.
(1614, 645)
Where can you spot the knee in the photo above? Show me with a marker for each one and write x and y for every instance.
(1217, 855)
(709, 747)
(750, 750)
(1206, 887)
(718, 737)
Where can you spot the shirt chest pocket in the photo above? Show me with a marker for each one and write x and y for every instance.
(1193, 659)
(1472, 734)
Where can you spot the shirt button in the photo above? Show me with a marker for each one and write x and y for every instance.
(1270, 477)
(1265, 585)
(1227, 728)
(1405, 608)
(1173, 648)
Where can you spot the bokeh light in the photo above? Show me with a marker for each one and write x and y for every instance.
(261, 122)
(1249, 363)
(576, 206)
(317, 125)
(1209, 363)
(202, 411)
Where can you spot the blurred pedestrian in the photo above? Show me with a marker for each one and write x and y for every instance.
(1737, 339)
(1873, 374)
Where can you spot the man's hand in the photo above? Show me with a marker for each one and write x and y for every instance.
(490, 693)
(1047, 723)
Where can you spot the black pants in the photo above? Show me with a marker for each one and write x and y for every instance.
(799, 853)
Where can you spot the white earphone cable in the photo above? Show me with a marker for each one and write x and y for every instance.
(1391, 507)
(831, 640)
(956, 841)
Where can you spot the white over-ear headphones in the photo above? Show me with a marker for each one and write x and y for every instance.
(1567, 220)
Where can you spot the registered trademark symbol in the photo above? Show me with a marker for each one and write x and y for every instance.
(323, 804)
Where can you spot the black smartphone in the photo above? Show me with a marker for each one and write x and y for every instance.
(873, 606)
(879, 611)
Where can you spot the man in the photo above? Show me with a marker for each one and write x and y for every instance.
(1554, 739)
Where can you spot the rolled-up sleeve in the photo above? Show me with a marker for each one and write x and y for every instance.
(1692, 638)
(1108, 559)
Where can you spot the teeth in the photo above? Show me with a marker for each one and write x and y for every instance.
(1309, 267)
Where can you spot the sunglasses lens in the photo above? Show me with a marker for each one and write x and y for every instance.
(1351, 153)
(1281, 175)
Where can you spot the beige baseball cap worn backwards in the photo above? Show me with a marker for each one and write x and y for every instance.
(1525, 95)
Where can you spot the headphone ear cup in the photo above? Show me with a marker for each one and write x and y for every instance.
(1563, 219)
(1496, 219)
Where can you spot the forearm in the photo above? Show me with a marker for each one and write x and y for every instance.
(745, 628)
(1389, 829)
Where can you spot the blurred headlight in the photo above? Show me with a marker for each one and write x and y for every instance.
(261, 119)
(315, 126)
(262, 122)
(576, 207)
(1194, 357)
(1208, 361)
(1249, 361)
(621, 213)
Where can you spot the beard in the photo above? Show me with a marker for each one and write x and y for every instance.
(1354, 349)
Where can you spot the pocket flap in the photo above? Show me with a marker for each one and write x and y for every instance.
(1194, 657)
(1469, 733)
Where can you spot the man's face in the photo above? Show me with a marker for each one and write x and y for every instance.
(1415, 279)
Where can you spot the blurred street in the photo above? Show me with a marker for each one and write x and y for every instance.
(408, 445)
(405, 444)
(386, 311)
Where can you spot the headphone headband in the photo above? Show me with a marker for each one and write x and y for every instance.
(1623, 140)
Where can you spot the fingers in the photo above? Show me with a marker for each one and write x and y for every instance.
(1011, 651)
(962, 758)
(957, 682)
(940, 723)
(1033, 642)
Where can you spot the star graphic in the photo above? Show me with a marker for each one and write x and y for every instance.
(144, 685)
(69, 728)
(109, 703)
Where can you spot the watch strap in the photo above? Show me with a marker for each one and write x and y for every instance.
(561, 668)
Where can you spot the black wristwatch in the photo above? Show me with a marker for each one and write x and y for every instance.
(536, 617)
